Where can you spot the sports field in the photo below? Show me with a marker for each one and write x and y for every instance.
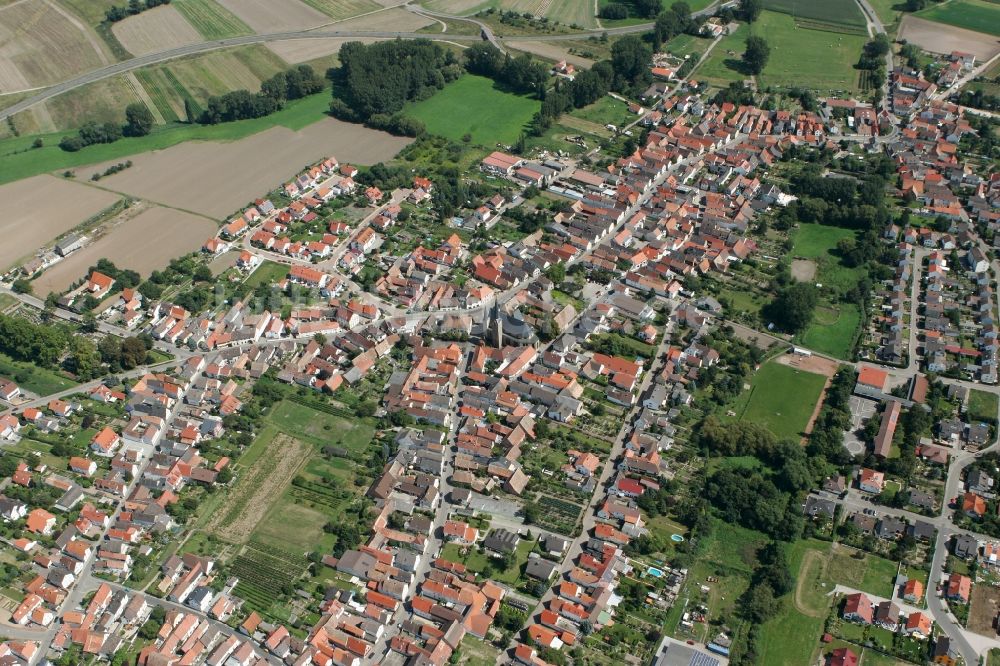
(473, 105)
(781, 399)
(978, 15)
(833, 330)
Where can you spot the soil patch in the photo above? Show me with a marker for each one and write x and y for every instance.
(144, 243)
(984, 609)
(40, 208)
(217, 179)
(155, 30)
(270, 16)
(803, 270)
(941, 38)
(262, 485)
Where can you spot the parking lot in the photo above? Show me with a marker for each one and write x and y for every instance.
(861, 410)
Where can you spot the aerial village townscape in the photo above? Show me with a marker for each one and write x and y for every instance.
(348, 332)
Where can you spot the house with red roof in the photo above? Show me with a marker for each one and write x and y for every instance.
(858, 608)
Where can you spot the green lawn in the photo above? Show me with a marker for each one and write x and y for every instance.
(20, 161)
(291, 524)
(983, 406)
(33, 378)
(478, 562)
(780, 398)
(606, 110)
(813, 241)
(977, 15)
(269, 272)
(311, 425)
(833, 330)
(474, 105)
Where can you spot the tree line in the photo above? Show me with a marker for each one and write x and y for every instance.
(121, 12)
(521, 74)
(294, 83)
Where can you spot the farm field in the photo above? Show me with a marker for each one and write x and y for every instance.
(554, 51)
(28, 30)
(780, 398)
(145, 243)
(835, 12)
(977, 15)
(941, 38)
(257, 489)
(234, 169)
(341, 9)
(568, 12)
(42, 208)
(91, 11)
(158, 29)
(210, 19)
(473, 105)
(267, 16)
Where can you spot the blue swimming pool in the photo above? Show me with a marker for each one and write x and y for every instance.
(653, 571)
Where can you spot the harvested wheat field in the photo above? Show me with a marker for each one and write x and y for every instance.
(269, 16)
(394, 20)
(41, 208)
(155, 30)
(216, 179)
(257, 489)
(552, 52)
(144, 243)
(28, 31)
(295, 51)
(941, 38)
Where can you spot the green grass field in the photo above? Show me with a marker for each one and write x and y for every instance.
(310, 425)
(478, 562)
(33, 378)
(605, 110)
(780, 398)
(17, 164)
(268, 272)
(819, 243)
(983, 406)
(817, 59)
(833, 330)
(473, 105)
(211, 20)
(792, 637)
(91, 11)
(978, 15)
(812, 58)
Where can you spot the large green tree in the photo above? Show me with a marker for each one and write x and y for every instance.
(792, 309)
(756, 54)
(138, 120)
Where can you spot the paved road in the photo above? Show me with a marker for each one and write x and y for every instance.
(875, 27)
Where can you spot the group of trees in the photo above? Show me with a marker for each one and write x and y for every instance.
(138, 122)
(41, 344)
(673, 21)
(979, 99)
(793, 307)
(522, 74)
(771, 580)
(293, 83)
(624, 8)
(379, 79)
(121, 12)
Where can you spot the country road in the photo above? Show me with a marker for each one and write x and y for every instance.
(203, 47)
